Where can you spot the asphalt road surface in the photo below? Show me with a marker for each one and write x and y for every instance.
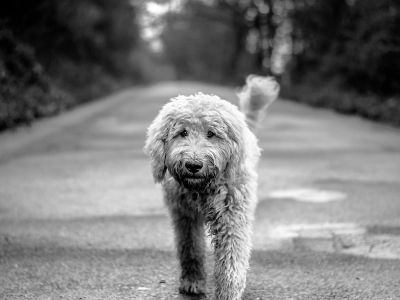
(80, 217)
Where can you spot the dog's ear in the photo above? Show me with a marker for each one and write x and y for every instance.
(244, 149)
(234, 147)
(157, 134)
(233, 165)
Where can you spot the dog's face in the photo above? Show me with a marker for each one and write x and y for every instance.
(198, 149)
(198, 139)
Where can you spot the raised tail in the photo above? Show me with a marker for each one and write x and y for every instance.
(254, 98)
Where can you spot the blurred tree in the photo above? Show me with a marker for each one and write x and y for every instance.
(210, 39)
(97, 31)
(198, 41)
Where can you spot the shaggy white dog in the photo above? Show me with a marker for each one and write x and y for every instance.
(204, 153)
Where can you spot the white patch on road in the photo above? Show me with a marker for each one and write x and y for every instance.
(345, 238)
(283, 235)
(383, 246)
(308, 195)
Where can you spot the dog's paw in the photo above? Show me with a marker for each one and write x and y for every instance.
(190, 287)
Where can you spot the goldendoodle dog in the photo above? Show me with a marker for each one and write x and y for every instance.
(204, 153)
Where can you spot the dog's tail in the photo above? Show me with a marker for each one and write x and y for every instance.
(254, 98)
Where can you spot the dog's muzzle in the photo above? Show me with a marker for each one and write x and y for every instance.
(193, 175)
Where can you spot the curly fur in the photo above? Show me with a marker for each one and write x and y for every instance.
(204, 153)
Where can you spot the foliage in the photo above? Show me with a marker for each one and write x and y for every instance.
(371, 106)
(94, 31)
(340, 53)
(25, 91)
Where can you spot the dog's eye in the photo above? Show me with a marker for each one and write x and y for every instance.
(184, 133)
(210, 134)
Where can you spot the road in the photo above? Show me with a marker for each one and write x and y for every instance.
(80, 217)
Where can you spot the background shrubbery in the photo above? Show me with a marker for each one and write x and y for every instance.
(346, 101)
(26, 92)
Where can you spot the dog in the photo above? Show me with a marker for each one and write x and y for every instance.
(204, 152)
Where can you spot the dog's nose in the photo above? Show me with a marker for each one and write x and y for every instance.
(193, 167)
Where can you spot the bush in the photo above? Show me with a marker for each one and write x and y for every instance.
(369, 106)
(25, 91)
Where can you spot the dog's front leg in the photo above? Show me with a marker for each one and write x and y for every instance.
(231, 229)
(189, 236)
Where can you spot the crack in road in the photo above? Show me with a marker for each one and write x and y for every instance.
(346, 238)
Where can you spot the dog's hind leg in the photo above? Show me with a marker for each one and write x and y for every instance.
(190, 242)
